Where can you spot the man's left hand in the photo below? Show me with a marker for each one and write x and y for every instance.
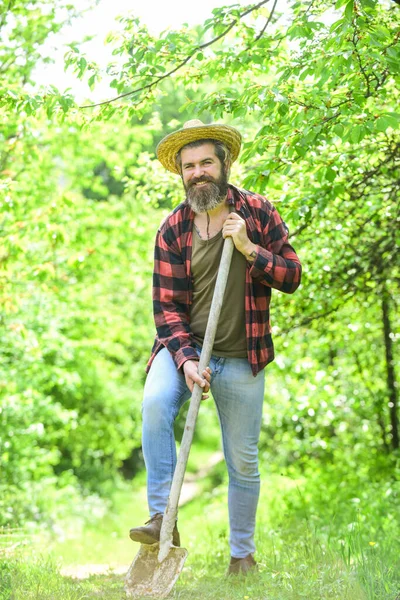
(235, 227)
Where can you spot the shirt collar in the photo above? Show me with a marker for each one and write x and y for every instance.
(235, 197)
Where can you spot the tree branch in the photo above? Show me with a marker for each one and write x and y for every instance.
(314, 317)
(375, 402)
(183, 63)
(354, 40)
(271, 14)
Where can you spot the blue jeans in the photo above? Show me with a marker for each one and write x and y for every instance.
(239, 399)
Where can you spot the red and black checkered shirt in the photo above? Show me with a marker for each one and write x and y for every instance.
(275, 266)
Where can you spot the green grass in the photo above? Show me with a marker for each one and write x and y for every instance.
(316, 540)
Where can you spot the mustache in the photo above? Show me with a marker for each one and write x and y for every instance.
(201, 180)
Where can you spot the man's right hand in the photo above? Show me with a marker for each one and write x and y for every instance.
(192, 376)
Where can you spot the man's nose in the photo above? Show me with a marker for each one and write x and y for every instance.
(198, 171)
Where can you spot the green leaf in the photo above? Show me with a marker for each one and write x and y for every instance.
(330, 174)
(337, 24)
(394, 115)
(301, 150)
(393, 52)
(92, 81)
(349, 10)
(241, 111)
(386, 121)
(338, 129)
(358, 132)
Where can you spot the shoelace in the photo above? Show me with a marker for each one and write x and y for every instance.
(153, 518)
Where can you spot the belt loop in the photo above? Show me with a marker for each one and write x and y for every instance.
(221, 364)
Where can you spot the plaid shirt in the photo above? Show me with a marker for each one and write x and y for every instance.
(275, 266)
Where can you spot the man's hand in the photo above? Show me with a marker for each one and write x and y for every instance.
(235, 227)
(192, 376)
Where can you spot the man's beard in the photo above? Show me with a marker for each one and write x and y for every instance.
(209, 196)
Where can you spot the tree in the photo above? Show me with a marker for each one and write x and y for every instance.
(75, 291)
(324, 85)
(315, 93)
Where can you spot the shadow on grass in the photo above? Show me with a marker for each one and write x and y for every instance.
(108, 586)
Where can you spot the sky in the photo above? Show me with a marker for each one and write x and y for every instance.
(157, 14)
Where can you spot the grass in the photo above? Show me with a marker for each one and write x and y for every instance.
(316, 540)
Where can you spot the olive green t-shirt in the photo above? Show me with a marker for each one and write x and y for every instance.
(230, 339)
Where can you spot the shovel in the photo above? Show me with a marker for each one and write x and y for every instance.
(156, 567)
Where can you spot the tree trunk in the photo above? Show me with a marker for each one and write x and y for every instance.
(390, 373)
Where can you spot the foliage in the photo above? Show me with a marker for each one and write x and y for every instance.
(315, 93)
(74, 343)
(75, 275)
(323, 85)
(325, 90)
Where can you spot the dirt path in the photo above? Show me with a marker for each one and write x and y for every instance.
(190, 489)
(86, 571)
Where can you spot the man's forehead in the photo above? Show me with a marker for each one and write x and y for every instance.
(202, 151)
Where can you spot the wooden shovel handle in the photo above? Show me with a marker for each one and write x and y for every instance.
(215, 310)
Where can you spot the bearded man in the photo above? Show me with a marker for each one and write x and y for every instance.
(188, 249)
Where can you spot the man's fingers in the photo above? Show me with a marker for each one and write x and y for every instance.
(200, 381)
(207, 374)
(203, 383)
(231, 228)
(233, 217)
(193, 377)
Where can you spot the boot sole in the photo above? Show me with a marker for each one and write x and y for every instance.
(145, 538)
(142, 538)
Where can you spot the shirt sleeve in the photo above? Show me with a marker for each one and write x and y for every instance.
(171, 302)
(276, 264)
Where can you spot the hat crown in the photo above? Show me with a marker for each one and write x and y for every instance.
(193, 131)
(193, 123)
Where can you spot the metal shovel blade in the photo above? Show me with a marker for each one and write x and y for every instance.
(149, 578)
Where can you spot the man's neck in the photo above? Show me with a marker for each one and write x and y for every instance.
(209, 223)
(218, 211)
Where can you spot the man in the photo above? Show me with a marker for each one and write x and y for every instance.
(187, 253)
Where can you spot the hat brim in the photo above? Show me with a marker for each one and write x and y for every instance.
(169, 146)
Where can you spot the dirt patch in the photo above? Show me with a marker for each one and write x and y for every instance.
(86, 571)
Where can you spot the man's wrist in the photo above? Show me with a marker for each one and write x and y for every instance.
(250, 252)
(189, 360)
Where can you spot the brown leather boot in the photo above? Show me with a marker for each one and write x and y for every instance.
(242, 565)
(150, 532)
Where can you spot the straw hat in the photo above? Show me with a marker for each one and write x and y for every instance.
(192, 131)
